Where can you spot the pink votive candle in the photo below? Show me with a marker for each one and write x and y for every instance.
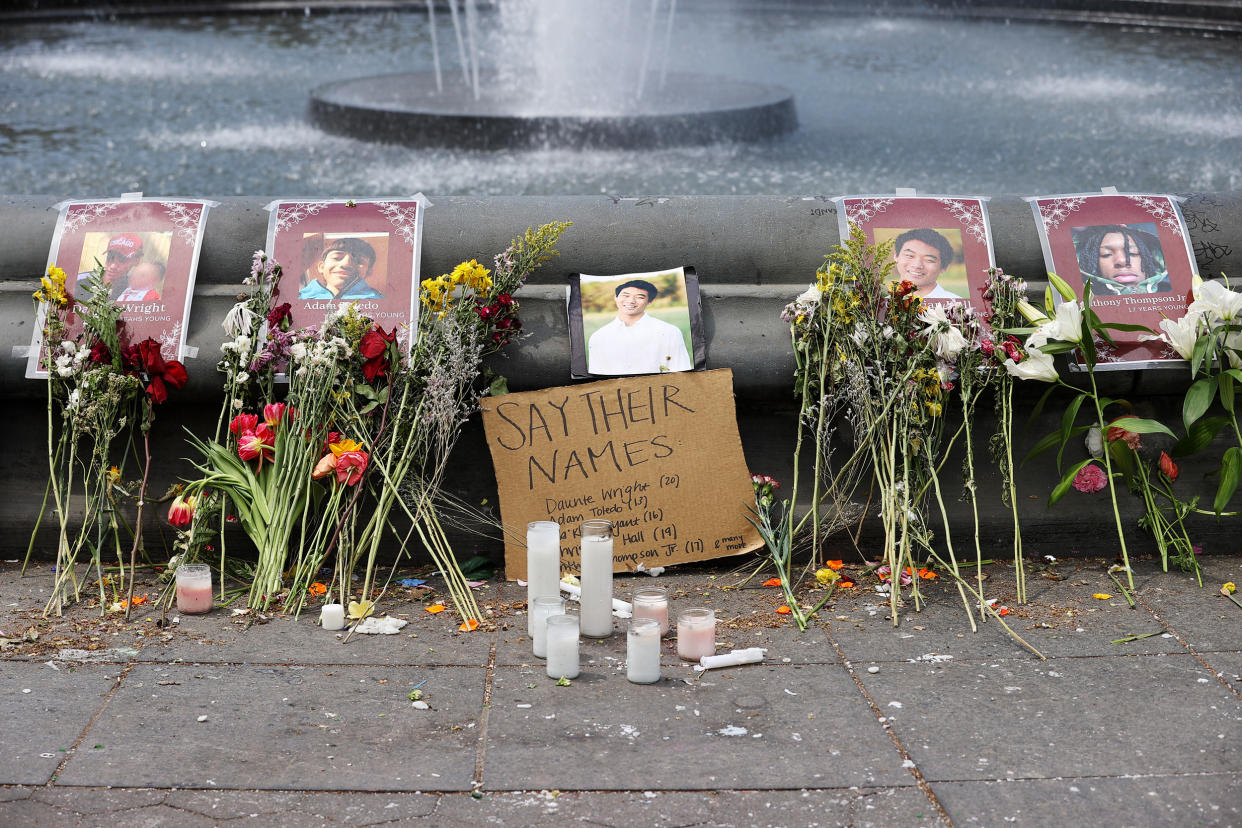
(696, 633)
(193, 588)
(652, 602)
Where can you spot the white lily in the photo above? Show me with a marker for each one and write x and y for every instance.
(1037, 365)
(1067, 326)
(1216, 301)
(1179, 334)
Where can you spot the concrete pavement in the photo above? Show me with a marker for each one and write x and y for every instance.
(102, 717)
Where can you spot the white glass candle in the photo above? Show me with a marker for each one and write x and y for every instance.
(562, 644)
(332, 616)
(696, 633)
(193, 588)
(652, 602)
(642, 651)
(543, 565)
(596, 598)
(543, 608)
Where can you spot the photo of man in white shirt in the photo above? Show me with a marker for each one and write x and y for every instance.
(635, 342)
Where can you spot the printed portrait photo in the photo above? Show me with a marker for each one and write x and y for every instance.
(135, 264)
(931, 258)
(1121, 259)
(344, 266)
(637, 323)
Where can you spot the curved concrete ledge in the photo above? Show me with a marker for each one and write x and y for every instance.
(753, 254)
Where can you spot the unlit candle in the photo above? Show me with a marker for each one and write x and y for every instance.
(193, 588)
(652, 602)
(332, 616)
(696, 633)
(751, 655)
(596, 597)
(541, 610)
(543, 565)
(562, 646)
(642, 651)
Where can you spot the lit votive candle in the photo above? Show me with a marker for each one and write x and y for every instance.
(543, 565)
(696, 633)
(652, 602)
(193, 588)
(562, 646)
(543, 608)
(332, 616)
(596, 598)
(642, 651)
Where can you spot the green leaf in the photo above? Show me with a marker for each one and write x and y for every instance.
(364, 390)
(1062, 287)
(1199, 436)
(1058, 347)
(1140, 425)
(1235, 373)
(1051, 440)
(1198, 399)
(1123, 457)
(1225, 381)
(1066, 481)
(1230, 474)
(1125, 326)
(1197, 356)
(499, 386)
(1071, 414)
(1039, 406)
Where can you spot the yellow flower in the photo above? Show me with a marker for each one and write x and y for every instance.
(934, 409)
(52, 287)
(343, 446)
(1103, 596)
(826, 576)
(113, 476)
(473, 275)
(361, 609)
(1229, 587)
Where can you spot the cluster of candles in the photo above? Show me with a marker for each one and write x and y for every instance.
(555, 632)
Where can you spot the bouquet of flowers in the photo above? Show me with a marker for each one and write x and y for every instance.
(101, 385)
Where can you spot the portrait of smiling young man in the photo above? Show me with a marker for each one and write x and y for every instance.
(634, 341)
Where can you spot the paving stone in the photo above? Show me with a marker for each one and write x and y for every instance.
(1067, 717)
(306, 728)
(31, 812)
(42, 724)
(282, 639)
(718, 732)
(1060, 618)
(297, 808)
(1176, 800)
(860, 808)
(14, 794)
(90, 801)
(1202, 616)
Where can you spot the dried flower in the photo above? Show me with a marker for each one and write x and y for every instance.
(1090, 478)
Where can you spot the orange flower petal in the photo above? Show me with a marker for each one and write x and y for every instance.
(468, 625)
(834, 565)
(434, 608)
(845, 582)
(317, 588)
(139, 599)
(772, 582)
(783, 610)
(1003, 611)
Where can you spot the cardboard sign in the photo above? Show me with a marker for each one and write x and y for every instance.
(659, 456)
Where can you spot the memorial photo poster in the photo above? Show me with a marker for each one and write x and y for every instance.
(635, 323)
(1134, 252)
(658, 455)
(943, 244)
(336, 252)
(148, 248)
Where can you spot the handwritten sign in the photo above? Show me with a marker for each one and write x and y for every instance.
(658, 455)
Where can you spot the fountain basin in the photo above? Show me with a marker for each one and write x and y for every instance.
(690, 109)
